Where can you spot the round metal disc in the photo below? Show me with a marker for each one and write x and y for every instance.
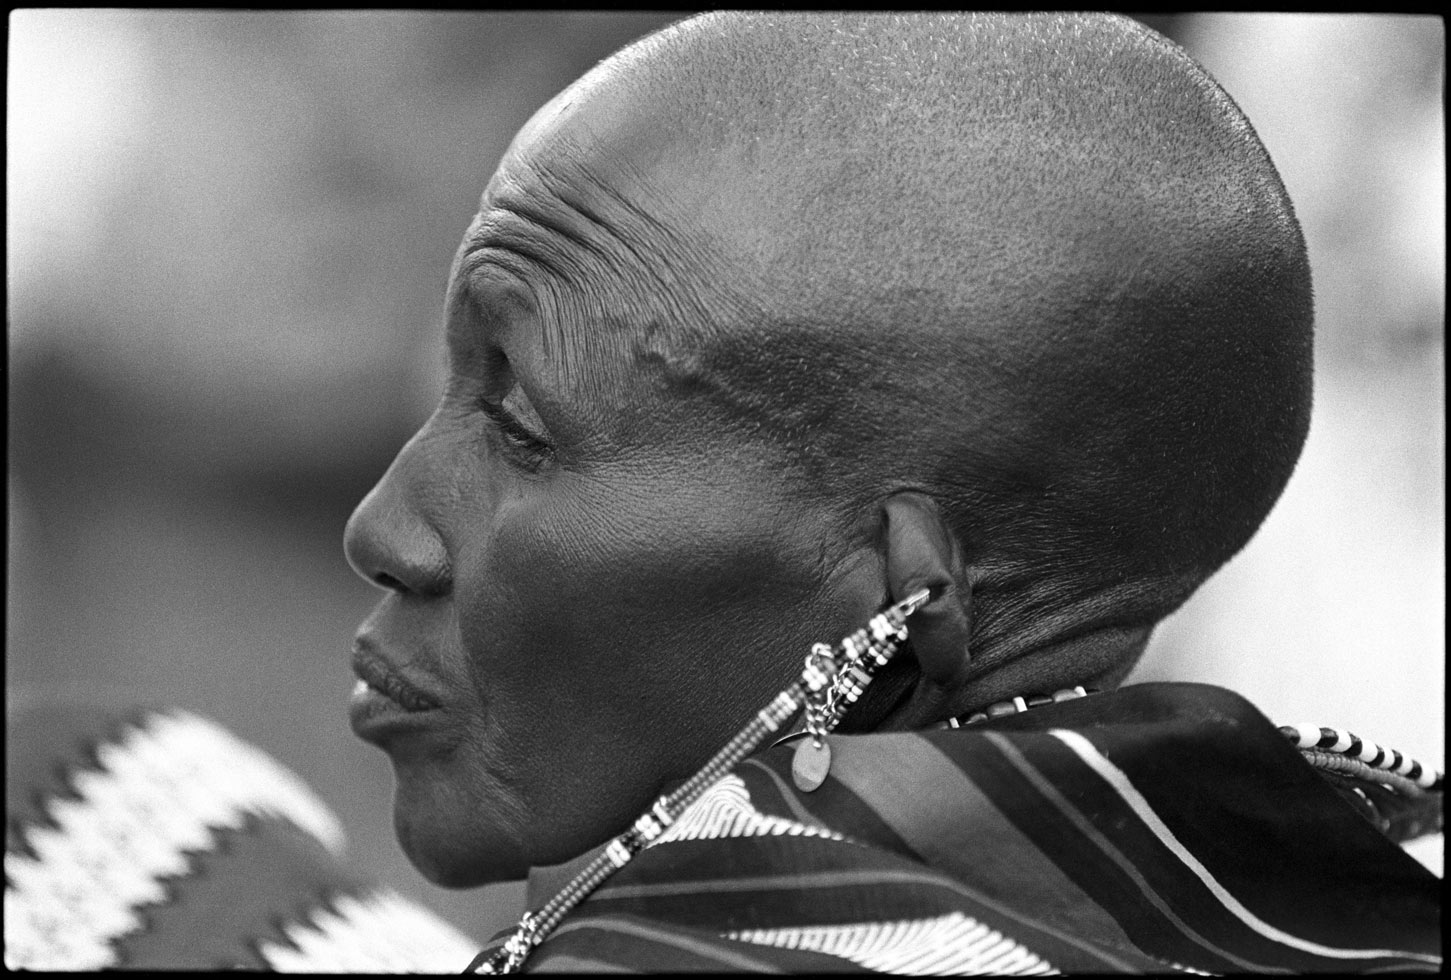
(810, 764)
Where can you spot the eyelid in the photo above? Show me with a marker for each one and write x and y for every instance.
(510, 423)
(522, 409)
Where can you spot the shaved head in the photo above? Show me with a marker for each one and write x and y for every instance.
(1039, 267)
(770, 319)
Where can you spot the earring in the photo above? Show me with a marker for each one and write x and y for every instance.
(835, 680)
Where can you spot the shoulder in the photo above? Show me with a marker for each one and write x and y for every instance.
(1155, 827)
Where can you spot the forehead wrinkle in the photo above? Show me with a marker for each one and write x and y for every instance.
(691, 268)
(594, 323)
(502, 237)
(650, 243)
(575, 357)
(646, 270)
(550, 210)
(632, 282)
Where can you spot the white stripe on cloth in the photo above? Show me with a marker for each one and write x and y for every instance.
(1116, 778)
(725, 810)
(951, 944)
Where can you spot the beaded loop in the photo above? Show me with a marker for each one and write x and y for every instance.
(849, 669)
(517, 947)
(647, 828)
(1377, 762)
(828, 684)
(618, 853)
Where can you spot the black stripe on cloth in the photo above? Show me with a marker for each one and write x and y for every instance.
(1068, 844)
(647, 946)
(254, 880)
(1119, 828)
(831, 804)
(1219, 775)
(772, 794)
(764, 882)
(776, 882)
(1273, 832)
(911, 784)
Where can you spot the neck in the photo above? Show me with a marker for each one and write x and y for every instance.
(547, 881)
(1099, 660)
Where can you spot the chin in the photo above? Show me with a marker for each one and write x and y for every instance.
(453, 842)
(453, 858)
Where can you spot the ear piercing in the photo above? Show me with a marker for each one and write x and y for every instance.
(830, 683)
(835, 680)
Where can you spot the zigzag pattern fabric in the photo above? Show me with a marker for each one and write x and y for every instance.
(1158, 828)
(170, 843)
(725, 811)
(947, 945)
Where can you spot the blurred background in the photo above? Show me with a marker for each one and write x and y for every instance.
(228, 236)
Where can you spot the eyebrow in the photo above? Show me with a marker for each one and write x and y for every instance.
(504, 242)
(468, 303)
(463, 317)
(569, 352)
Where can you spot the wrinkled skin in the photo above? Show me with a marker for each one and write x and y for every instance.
(599, 583)
(719, 365)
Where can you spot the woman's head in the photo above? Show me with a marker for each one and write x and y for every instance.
(765, 321)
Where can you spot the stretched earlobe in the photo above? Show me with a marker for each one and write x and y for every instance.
(921, 551)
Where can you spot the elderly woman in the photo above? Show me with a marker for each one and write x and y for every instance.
(975, 343)
(766, 324)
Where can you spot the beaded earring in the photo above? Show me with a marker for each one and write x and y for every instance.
(835, 679)
(831, 682)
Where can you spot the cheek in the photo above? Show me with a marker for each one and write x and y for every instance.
(591, 550)
(621, 609)
(618, 637)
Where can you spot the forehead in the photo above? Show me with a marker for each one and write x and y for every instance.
(587, 250)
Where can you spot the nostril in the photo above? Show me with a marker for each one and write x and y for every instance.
(391, 545)
(389, 582)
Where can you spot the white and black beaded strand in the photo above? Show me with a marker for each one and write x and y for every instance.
(829, 682)
(1367, 758)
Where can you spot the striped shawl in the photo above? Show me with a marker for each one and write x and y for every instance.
(1159, 827)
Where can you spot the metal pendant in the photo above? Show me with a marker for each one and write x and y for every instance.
(810, 764)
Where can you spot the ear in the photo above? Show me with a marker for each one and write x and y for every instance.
(921, 551)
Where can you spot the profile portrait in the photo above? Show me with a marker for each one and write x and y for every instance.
(579, 492)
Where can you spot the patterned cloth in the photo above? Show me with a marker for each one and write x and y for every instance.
(1160, 827)
(164, 842)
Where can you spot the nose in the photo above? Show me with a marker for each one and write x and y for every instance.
(389, 541)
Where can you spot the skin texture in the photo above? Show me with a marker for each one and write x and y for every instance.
(729, 371)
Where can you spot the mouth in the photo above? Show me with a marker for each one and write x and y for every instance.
(384, 704)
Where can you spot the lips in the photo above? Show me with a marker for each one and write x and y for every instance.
(383, 678)
(387, 705)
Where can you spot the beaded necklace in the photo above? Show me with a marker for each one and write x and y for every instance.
(997, 709)
(830, 682)
(1014, 705)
